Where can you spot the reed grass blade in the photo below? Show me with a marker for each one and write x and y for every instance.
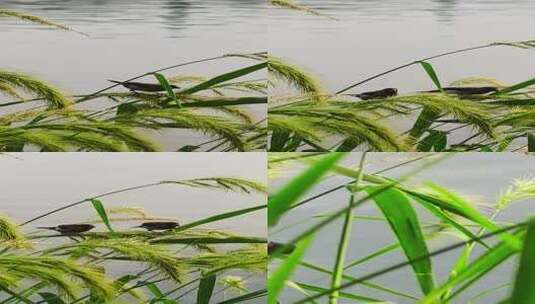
(432, 74)
(206, 288)
(523, 291)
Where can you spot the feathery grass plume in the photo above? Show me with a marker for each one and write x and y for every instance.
(72, 133)
(223, 183)
(234, 283)
(251, 258)
(65, 275)
(334, 118)
(186, 119)
(476, 82)
(295, 76)
(9, 91)
(294, 6)
(37, 20)
(527, 44)
(9, 231)
(31, 85)
(134, 250)
(520, 189)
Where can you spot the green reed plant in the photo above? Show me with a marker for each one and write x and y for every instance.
(163, 266)
(38, 116)
(312, 120)
(397, 203)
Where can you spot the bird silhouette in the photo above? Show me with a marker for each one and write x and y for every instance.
(465, 91)
(275, 246)
(150, 226)
(142, 87)
(70, 229)
(379, 94)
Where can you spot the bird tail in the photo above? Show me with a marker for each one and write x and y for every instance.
(115, 81)
(49, 228)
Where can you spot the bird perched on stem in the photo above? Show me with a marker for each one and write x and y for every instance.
(142, 87)
(150, 226)
(379, 94)
(70, 229)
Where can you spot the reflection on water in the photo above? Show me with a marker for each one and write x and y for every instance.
(120, 16)
(478, 176)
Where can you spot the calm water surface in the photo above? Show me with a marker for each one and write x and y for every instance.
(372, 36)
(478, 176)
(129, 38)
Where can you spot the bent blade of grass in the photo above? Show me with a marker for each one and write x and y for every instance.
(159, 296)
(432, 74)
(404, 222)
(281, 201)
(471, 213)
(224, 77)
(51, 298)
(101, 211)
(523, 291)
(165, 84)
(206, 288)
(220, 217)
(477, 269)
(345, 295)
(297, 287)
(284, 272)
(516, 87)
(240, 299)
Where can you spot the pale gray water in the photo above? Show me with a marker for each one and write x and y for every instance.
(35, 183)
(373, 36)
(129, 38)
(478, 176)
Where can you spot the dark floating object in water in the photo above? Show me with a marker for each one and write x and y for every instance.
(274, 246)
(159, 225)
(384, 93)
(465, 91)
(143, 87)
(70, 229)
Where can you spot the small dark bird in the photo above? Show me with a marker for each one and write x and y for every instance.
(143, 87)
(466, 91)
(70, 229)
(380, 94)
(274, 246)
(150, 226)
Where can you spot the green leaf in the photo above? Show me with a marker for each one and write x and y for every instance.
(127, 108)
(224, 77)
(477, 269)
(188, 148)
(516, 87)
(284, 272)
(165, 84)
(436, 140)
(404, 222)
(531, 142)
(97, 204)
(292, 191)
(431, 73)
(206, 288)
(279, 138)
(524, 291)
(220, 217)
(51, 298)
(159, 297)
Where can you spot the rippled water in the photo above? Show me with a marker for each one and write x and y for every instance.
(478, 176)
(372, 36)
(129, 38)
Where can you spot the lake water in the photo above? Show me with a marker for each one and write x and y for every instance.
(129, 38)
(372, 36)
(35, 183)
(477, 176)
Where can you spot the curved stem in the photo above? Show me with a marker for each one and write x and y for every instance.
(89, 199)
(413, 63)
